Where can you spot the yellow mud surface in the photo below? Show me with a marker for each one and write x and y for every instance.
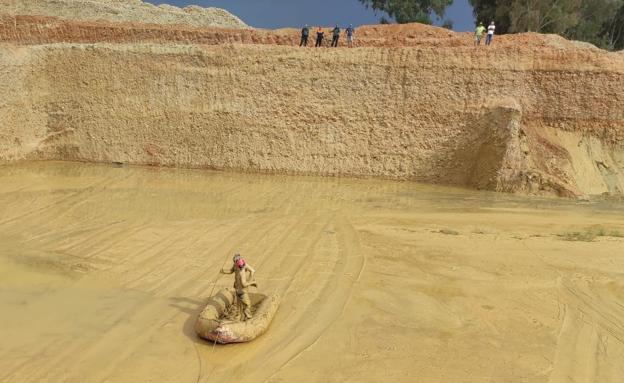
(103, 271)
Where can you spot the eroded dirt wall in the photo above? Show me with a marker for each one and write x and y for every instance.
(22, 121)
(403, 113)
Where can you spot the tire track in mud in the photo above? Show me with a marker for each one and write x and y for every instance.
(151, 310)
(590, 343)
(69, 348)
(312, 300)
(269, 224)
(323, 264)
(59, 352)
(179, 290)
(15, 373)
(142, 312)
(340, 287)
(303, 225)
(36, 371)
(49, 348)
(163, 289)
(98, 187)
(126, 233)
(266, 222)
(44, 349)
(170, 263)
(154, 262)
(72, 347)
(140, 259)
(85, 248)
(55, 211)
(290, 245)
(47, 236)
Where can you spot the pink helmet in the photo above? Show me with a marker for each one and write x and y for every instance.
(240, 263)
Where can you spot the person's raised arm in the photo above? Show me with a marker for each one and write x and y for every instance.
(252, 272)
(230, 271)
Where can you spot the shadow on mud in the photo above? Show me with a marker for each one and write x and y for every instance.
(192, 307)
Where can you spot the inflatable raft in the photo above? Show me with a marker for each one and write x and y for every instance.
(213, 324)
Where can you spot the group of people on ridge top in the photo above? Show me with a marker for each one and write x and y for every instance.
(320, 36)
(479, 33)
(350, 33)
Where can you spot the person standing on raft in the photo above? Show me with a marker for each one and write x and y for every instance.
(240, 268)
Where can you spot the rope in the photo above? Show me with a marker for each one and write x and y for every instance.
(214, 285)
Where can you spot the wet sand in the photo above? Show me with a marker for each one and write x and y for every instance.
(104, 270)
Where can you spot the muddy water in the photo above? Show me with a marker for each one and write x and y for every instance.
(103, 270)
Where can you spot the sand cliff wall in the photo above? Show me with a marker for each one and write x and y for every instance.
(548, 119)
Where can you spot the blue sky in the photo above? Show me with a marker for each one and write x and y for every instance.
(294, 13)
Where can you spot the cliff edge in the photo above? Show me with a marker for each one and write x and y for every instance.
(533, 113)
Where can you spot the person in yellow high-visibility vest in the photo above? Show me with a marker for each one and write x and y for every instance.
(479, 33)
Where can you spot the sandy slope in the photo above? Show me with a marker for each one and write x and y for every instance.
(123, 11)
(104, 270)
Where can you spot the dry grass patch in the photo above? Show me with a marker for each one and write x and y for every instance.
(590, 234)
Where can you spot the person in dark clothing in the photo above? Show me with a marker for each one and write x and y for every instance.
(305, 32)
(319, 37)
(336, 36)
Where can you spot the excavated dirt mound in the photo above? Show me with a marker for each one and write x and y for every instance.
(123, 11)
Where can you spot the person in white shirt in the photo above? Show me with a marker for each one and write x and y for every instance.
(490, 33)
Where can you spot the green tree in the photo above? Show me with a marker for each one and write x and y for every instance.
(493, 10)
(600, 22)
(544, 16)
(515, 16)
(613, 30)
(448, 24)
(407, 11)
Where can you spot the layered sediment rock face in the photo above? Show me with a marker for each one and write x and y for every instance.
(532, 113)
